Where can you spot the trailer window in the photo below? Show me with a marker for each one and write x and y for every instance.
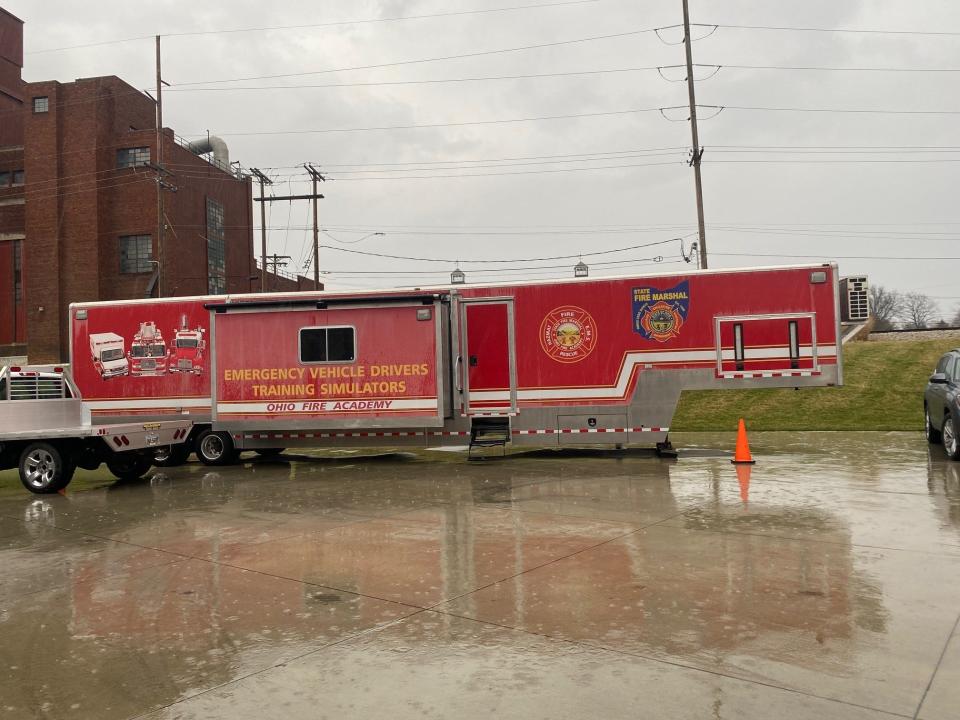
(794, 345)
(738, 345)
(328, 344)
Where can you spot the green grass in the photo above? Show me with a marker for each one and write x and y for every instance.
(883, 390)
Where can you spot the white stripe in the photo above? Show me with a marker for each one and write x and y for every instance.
(398, 404)
(146, 404)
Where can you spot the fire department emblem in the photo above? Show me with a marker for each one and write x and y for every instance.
(568, 334)
(659, 314)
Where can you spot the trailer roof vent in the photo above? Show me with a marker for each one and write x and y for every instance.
(581, 269)
(457, 277)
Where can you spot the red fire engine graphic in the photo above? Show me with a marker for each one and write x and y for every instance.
(148, 351)
(568, 334)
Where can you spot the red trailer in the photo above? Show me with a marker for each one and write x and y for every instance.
(587, 361)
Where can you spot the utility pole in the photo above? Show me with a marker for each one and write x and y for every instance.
(264, 180)
(697, 150)
(315, 176)
(278, 261)
(276, 198)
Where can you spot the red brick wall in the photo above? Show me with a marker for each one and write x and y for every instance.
(11, 86)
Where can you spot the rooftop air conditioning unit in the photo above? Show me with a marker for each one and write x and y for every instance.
(854, 299)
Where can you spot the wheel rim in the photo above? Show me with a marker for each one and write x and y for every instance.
(212, 447)
(162, 454)
(949, 437)
(40, 468)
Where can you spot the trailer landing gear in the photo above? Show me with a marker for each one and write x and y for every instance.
(665, 449)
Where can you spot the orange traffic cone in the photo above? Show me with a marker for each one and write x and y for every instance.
(742, 453)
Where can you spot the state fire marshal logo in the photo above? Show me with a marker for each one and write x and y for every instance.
(568, 334)
(659, 314)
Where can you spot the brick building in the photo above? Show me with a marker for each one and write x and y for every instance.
(79, 204)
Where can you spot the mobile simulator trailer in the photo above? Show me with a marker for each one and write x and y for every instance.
(588, 361)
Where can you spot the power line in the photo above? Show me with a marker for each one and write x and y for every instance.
(397, 63)
(864, 31)
(338, 23)
(480, 78)
(825, 68)
(461, 260)
(831, 110)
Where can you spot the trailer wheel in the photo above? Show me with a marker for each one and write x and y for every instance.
(951, 443)
(215, 448)
(269, 452)
(129, 465)
(171, 455)
(933, 435)
(44, 468)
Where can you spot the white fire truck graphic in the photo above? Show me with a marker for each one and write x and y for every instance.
(148, 352)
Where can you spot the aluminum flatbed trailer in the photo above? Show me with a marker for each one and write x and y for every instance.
(45, 431)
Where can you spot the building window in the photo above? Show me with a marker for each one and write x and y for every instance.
(136, 251)
(17, 271)
(327, 344)
(133, 157)
(5, 178)
(216, 250)
(41, 104)
(18, 177)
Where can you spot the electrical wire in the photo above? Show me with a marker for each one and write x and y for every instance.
(418, 61)
(339, 23)
(460, 260)
(864, 31)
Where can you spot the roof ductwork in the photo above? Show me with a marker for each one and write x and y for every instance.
(214, 144)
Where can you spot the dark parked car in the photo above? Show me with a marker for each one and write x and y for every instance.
(941, 404)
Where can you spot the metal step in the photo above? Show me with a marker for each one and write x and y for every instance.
(489, 432)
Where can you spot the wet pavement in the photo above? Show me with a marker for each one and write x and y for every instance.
(824, 582)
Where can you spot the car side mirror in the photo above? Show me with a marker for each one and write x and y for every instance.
(939, 378)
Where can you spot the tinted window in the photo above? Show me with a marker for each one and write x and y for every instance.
(335, 344)
(942, 365)
(953, 372)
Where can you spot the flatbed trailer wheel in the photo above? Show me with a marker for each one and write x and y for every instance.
(45, 468)
(215, 448)
(129, 465)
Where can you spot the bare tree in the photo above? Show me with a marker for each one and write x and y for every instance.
(919, 311)
(886, 306)
(956, 318)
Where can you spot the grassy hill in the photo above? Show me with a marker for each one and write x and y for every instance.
(883, 390)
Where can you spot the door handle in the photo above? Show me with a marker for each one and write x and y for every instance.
(458, 377)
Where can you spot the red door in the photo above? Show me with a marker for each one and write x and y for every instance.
(490, 372)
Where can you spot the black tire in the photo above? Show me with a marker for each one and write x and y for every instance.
(951, 442)
(933, 435)
(269, 452)
(171, 455)
(45, 468)
(129, 465)
(215, 448)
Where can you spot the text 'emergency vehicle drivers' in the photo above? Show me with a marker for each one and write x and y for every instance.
(303, 382)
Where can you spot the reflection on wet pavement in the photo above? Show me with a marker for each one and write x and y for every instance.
(822, 582)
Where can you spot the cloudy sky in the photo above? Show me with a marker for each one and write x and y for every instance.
(785, 174)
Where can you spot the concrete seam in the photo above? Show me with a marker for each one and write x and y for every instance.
(933, 675)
